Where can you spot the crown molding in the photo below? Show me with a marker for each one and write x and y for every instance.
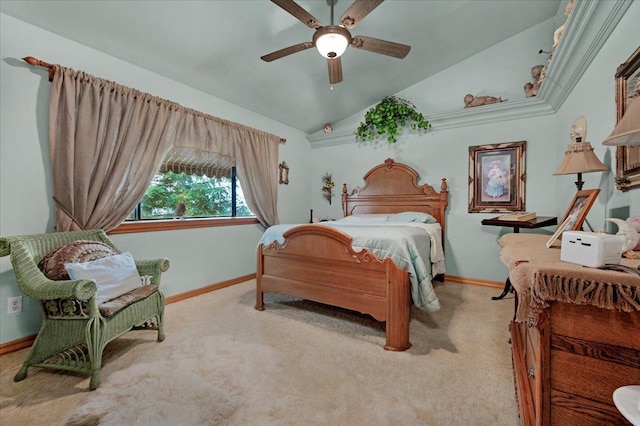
(589, 26)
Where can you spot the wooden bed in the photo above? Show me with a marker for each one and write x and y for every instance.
(317, 262)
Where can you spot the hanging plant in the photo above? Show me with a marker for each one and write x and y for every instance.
(390, 117)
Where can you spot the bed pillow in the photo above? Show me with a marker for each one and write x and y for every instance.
(114, 275)
(52, 265)
(412, 217)
(365, 218)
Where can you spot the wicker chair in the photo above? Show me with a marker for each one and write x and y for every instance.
(75, 329)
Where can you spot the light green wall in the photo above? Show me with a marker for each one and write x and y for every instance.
(198, 257)
(594, 97)
(203, 257)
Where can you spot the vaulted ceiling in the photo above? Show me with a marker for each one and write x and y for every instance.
(215, 46)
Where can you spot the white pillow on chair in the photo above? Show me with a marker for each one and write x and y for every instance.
(114, 275)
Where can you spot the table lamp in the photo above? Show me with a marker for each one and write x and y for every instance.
(579, 157)
(627, 131)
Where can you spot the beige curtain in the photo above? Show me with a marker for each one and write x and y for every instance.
(107, 142)
(257, 165)
(254, 152)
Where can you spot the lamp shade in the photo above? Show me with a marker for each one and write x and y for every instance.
(627, 131)
(580, 158)
(331, 41)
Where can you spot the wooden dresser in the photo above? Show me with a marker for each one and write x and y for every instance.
(575, 335)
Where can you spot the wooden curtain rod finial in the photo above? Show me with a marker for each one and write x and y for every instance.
(283, 140)
(39, 63)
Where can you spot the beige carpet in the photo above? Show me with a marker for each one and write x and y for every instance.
(224, 363)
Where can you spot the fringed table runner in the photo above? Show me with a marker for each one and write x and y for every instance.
(539, 277)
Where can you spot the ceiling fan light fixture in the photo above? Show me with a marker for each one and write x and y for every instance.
(331, 41)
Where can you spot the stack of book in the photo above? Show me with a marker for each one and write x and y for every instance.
(519, 217)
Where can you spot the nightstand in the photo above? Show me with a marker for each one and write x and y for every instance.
(538, 222)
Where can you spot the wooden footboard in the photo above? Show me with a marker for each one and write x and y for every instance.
(317, 263)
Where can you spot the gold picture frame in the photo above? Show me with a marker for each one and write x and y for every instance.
(576, 214)
(497, 177)
(627, 157)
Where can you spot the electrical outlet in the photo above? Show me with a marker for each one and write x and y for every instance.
(14, 305)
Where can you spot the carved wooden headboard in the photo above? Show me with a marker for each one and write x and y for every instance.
(393, 188)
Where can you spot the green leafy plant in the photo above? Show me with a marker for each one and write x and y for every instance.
(390, 116)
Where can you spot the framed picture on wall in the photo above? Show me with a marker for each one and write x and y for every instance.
(576, 214)
(497, 177)
(627, 157)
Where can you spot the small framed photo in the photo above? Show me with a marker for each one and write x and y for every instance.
(497, 177)
(576, 214)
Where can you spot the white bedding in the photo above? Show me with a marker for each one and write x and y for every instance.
(414, 247)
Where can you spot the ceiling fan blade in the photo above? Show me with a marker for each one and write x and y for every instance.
(357, 11)
(287, 51)
(383, 47)
(302, 15)
(335, 70)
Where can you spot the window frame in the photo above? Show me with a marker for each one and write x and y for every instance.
(174, 224)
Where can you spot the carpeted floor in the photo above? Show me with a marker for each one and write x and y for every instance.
(297, 362)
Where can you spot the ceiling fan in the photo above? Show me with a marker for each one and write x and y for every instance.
(332, 40)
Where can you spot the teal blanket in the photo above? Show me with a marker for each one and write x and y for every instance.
(413, 247)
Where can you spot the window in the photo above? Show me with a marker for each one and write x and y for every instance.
(172, 196)
(179, 195)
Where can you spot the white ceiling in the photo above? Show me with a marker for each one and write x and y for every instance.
(215, 46)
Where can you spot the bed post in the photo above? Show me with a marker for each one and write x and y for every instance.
(398, 308)
(444, 197)
(344, 199)
(259, 272)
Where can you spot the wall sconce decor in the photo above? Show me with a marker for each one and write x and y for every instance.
(327, 187)
(284, 173)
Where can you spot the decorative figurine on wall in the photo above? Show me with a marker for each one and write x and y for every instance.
(328, 128)
(327, 187)
(284, 173)
(557, 35)
(537, 72)
(471, 101)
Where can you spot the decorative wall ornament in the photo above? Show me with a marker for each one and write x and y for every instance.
(472, 101)
(557, 34)
(328, 128)
(497, 177)
(284, 173)
(537, 72)
(327, 187)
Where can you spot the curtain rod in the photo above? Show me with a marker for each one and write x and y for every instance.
(38, 63)
(52, 70)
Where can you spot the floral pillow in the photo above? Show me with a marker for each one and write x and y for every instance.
(52, 265)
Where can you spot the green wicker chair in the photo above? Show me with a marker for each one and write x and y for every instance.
(74, 331)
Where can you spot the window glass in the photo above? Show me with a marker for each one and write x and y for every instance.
(178, 195)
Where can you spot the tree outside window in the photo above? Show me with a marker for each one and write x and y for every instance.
(202, 197)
